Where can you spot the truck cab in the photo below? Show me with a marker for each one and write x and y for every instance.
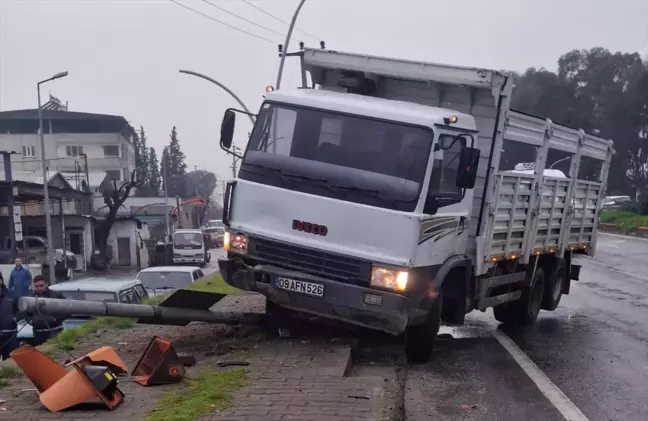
(324, 176)
(189, 247)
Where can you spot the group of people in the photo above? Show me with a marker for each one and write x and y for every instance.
(21, 284)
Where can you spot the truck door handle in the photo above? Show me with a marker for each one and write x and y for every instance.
(462, 223)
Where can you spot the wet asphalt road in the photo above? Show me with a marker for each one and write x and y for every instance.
(593, 348)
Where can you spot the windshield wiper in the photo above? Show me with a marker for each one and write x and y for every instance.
(372, 192)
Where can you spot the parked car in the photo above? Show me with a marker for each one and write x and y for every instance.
(216, 235)
(34, 248)
(91, 289)
(164, 279)
(616, 202)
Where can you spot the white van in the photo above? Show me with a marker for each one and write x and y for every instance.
(189, 247)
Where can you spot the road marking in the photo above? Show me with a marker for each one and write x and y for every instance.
(546, 386)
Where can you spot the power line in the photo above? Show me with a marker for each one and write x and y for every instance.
(244, 19)
(223, 23)
(279, 19)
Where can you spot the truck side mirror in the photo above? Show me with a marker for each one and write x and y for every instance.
(227, 129)
(467, 172)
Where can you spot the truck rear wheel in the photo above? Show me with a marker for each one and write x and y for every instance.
(555, 284)
(420, 339)
(525, 310)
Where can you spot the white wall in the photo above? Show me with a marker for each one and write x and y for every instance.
(128, 229)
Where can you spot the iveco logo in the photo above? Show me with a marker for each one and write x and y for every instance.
(309, 227)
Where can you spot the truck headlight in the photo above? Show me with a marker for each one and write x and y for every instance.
(236, 243)
(389, 278)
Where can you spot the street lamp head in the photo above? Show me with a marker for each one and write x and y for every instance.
(59, 75)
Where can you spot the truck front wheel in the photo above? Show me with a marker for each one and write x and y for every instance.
(420, 339)
(525, 310)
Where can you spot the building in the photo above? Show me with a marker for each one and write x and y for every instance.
(76, 144)
(72, 225)
(152, 211)
(127, 243)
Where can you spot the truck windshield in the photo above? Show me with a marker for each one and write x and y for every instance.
(353, 158)
(187, 240)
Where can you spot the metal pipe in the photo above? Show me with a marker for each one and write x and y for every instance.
(288, 36)
(222, 86)
(152, 313)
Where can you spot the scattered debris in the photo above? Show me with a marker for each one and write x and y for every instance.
(187, 359)
(230, 363)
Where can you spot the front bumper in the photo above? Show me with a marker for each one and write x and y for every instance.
(341, 301)
(189, 259)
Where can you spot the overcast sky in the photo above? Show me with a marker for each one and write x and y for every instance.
(123, 55)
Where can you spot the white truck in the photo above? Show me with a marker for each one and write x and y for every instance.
(375, 197)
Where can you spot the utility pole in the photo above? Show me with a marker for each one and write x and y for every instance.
(234, 161)
(14, 234)
(166, 198)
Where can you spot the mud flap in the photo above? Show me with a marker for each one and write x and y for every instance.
(574, 272)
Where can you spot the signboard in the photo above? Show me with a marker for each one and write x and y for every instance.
(17, 217)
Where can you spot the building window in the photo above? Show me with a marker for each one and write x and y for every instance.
(73, 150)
(114, 174)
(29, 151)
(111, 150)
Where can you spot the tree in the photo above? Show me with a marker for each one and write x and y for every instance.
(114, 198)
(602, 93)
(176, 166)
(200, 183)
(164, 169)
(155, 180)
(141, 162)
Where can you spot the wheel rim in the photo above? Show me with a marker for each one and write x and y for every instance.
(557, 287)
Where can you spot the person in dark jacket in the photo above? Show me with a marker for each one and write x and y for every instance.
(20, 280)
(45, 326)
(8, 324)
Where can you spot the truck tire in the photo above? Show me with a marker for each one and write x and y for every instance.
(554, 286)
(524, 311)
(420, 339)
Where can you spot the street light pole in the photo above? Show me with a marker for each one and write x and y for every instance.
(560, 160)
(46, 208)
(285, 47)
(225, 88)
(166, 198)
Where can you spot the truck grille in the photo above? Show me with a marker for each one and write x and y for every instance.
(311, 261)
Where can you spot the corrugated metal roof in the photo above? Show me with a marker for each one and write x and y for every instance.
(95, 178)
(34, 177)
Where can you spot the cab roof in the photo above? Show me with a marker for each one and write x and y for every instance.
(386, 109)
(187, 269)
(96, 285)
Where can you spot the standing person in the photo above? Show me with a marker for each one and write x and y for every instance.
(45, 326)
(8, 324)
(20, 280)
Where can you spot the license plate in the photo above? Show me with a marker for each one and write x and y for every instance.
(308, 288)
